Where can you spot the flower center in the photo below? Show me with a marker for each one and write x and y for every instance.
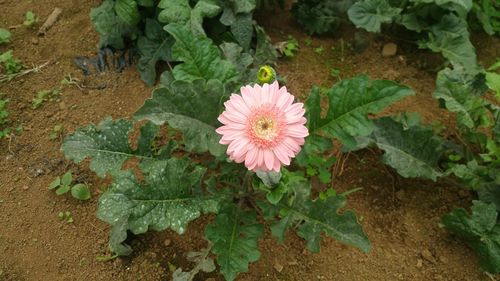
(265, 126)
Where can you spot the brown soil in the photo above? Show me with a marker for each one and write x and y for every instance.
(400, 216)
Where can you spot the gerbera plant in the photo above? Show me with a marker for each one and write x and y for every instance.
(207, 141)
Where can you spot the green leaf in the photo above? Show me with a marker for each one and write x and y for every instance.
(234, 235)
(62, 189)
(169, 198)
(107, 145)
(146, 3)
(55, 183)
(180, 12)
(454, 87)
(480, 231)
(154, 46)
(320, 17)
(128, 11)
(465, 5)
(81, 192)
(242, 30)
(371, 14)
(493, 82)
(4, 36)
(67, 178)
(201, 58)
(318, 216)
(413, 152)
(265, 53)
(451, 38)
(112, 28)
(349, 103)
(240, 60)
(192, 108)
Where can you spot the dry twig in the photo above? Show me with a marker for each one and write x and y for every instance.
(36, 68)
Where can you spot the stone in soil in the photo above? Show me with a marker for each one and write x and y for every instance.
(389, 50)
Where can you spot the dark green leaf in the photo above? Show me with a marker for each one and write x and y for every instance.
(371, 14)
(180, 12)
(349, 103)
(242, 30)
(413, 152)
(200, 57)
(479, 230)
(110, 26)
(318, 16)
(454, 87)
(154, 46)
(192, 108)
(107, 145)
(451, 38)
(168, 198)
(265, 53)
(234, 235)
(127, 10)
(318, 216)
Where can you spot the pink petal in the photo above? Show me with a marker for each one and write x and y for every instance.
(269, 159)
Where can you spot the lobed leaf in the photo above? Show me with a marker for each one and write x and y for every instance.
(414, 152)
(317, 216)
(455, 88)
(107, 145)
(180, 12)
(371, 14)
(169, 198)
(349, 103)
(200, 57)
(112, 28)
(480, 231)
(192, 108)
(451, 38)
(154, 46)
(234, 235)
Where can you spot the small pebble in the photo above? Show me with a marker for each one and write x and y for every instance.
(34, 41)
(419, 263)
(389, 50)
(167, 242)
(26, 187)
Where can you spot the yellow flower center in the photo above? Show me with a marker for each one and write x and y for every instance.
(265, 128)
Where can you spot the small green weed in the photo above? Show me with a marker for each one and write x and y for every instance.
(10, 64)
(63, 185)
(30, 19)
(335, 73)
(291, 47)
(45, 95)
(66, 216)
(3, 119)
(57, 132)
(320, 50)
(4, 36)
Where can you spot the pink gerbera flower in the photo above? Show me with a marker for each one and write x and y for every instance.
(263, 127)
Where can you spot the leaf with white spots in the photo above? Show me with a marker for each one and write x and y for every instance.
(169, 197)
(108, 145)
(192, 108)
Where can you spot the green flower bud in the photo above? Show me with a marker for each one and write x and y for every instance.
(266, 74)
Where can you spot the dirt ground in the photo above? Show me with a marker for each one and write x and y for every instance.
(400, 216)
